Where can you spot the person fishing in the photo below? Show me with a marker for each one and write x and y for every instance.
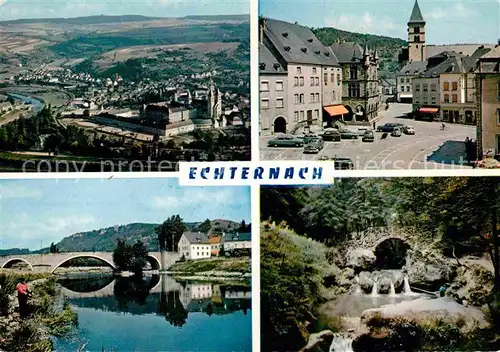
(23, 290)
(442, 291)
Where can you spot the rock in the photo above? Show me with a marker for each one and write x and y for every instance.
(349, 273)
(294, 334)
(384, 284)
(428, 271)
(423, 310)
(318, 342)
(360, 259)
(366, 281)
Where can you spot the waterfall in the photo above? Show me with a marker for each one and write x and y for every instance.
(358, 290)
(341, 343)
(393, 289)
(375, 289)
(407, 288)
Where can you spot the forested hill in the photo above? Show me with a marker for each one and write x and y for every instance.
(105, 239)
(388, 47)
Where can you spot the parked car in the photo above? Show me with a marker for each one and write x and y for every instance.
(343, 164)
(332, 135)
(347, 134)
(309, 137)
(409, 130)
(286, 141)
(396, 132)
(389, 127)
(314, 146)
(362, 131)
(368, 137)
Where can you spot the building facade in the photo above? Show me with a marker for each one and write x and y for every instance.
(310, 66)
(488, 103)
(274, 112)
(360, 88)
(232, 241)
(426, 96)
(194, 245)
(416, 35)
(404, 80)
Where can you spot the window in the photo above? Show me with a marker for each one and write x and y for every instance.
(416, 30)
(332, 77)
(339, 79)
(265, 104)
(353, 72)
(408, 88)
(301, 81)
(455, 98)
(301, 98)
(433, 87)
(314, 71)
(417, 87)
(198, 253)
(311, 98)
(498, 116)
(417, 39)
(325, 78)
(279, 103)
(433, 100)
(317, 97)
(316, 114)
(299, 70)
(446, 86)
(417, 101)
(402, 80)
(312, 81)
(446, 98)
(454, 86)
(295, 81)
(333, 95)
(426, 87)
(279, 86)
(264, 86)
(407, 80)
(301, 115)
(316, 80)
(296, 98)
(498, 90)
(296, 116)
(353, 89)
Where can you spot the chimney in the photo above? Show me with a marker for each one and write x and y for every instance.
(262, 25)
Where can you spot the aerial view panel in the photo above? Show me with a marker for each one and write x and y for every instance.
(146, 86)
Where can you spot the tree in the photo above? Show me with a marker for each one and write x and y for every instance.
(169, 233)
(130, 257)
(205, 226)
(53, 248)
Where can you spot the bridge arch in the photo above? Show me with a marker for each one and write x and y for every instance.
(111, 265)
(154, 262)
(16, 260)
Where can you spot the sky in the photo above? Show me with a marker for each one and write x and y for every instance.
(34, 213)
(448, 21)
(15, 9)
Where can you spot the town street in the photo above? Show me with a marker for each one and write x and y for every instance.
(429, 148)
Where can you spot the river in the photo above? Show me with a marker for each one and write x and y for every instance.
(156, 313)
(37, 104)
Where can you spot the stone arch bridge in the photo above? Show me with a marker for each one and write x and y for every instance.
(50, 262)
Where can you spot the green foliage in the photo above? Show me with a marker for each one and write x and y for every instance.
(130, 257)
(170, 232)
(241, 265)
(53, 248)
(290, 285)
(205, 226)
(8, 282)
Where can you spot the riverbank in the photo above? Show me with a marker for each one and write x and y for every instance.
(48, 316)
(215, 269)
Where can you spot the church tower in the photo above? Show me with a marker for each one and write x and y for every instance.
(416, 35)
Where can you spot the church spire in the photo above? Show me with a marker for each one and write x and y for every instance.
(416, 15)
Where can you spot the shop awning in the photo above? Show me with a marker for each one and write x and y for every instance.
(406, 95)
(334, 110)
(428, 110)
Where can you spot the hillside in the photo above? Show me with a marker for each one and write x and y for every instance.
(105, 239)
(388, 47)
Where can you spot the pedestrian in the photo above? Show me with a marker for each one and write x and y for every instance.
(442, 291)
(373, 124)
(23, 290)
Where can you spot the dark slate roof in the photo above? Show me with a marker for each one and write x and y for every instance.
(490, 62)
(454, 63)
(346, 51)
(233, 237)
(416, 15)
(268, 63)
(196, 237)
(466, 49)
(413, 68)
(298, 44)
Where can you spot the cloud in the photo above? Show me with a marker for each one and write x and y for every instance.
(193, 198)
(365, 23)
(19, 192)
(457, 11)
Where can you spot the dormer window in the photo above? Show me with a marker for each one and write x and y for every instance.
(327, 53)
(284, 34)
(287, 48)
(262, 66)
(317, 52)
(310, 40)
(304, 50)
(276, 65)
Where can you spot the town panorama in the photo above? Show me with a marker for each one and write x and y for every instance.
(123, 93)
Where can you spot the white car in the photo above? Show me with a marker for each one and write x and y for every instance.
(409, 130)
